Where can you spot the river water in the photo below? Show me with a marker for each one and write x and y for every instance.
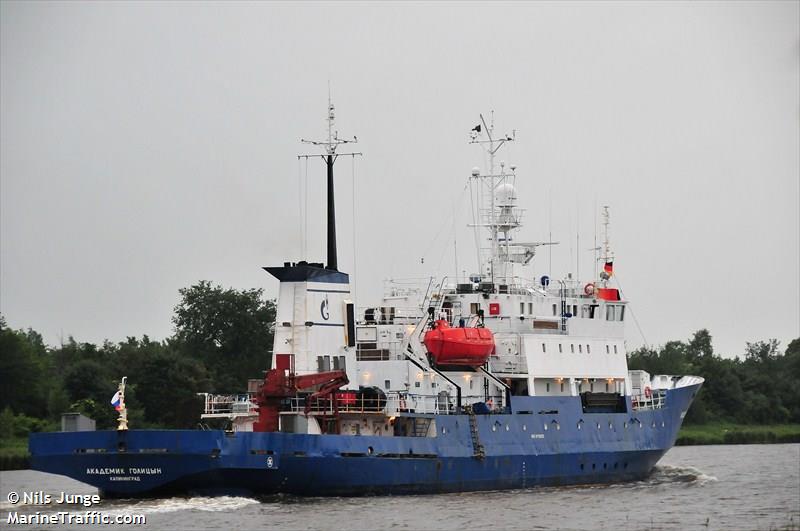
(750, 487)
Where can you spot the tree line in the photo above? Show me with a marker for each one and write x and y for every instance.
(760, 387)
(223, 337)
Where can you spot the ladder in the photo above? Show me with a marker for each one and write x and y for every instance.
(477, 448)
(421, 426)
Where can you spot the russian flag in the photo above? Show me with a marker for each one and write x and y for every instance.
(116, 401)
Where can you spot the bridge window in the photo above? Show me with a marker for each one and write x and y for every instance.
(620, 313)
(610, 312)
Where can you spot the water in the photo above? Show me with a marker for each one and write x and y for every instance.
(694, 487)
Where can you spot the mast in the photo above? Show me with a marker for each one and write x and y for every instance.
(330, 157)
(499, 214)
(608, 256)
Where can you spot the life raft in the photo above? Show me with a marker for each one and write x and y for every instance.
(468, 347)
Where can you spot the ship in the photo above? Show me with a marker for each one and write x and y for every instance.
(493, 380)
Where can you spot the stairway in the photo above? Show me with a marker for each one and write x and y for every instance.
(477, 448)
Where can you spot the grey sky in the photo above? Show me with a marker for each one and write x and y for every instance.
(146, 146)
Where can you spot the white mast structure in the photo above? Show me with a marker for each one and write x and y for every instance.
(608, 255)
(501, 216)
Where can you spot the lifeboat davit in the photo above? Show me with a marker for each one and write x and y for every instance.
(469, 347)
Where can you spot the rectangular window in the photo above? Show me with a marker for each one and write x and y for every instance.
(575, 310)
(521, 308)
(610, 312)
(544, 347)
(416, 384)
(620, 313)
(562, 387)
(548, 387)
(607, 350)
(554, 309)
(474, 307)
(615, 349)
(607, 389)
(588, 349)
(580, 349)
(470, 383)
(559, 348)
(530, 308)
(572, 348)
(387, 384)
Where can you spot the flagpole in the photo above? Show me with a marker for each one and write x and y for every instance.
(123, 412)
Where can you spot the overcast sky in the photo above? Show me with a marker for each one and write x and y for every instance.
(146, 146)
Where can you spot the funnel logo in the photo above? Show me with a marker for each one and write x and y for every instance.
(323, 309)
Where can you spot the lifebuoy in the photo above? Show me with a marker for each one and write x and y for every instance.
(647, 392)
(588, 289)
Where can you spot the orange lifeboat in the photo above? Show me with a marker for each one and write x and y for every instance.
(469, 347)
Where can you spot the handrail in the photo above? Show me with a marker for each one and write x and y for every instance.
(656, 400)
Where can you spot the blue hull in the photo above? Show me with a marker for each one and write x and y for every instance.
(544, 441)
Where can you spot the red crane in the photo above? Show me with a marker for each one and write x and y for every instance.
(282, 383)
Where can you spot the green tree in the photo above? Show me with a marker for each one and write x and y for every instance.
(23, 370)
(229, 330)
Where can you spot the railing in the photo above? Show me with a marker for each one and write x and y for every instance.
(395, 402)
(227, 405)
(656, 400)
(344, 404)
(402, 402)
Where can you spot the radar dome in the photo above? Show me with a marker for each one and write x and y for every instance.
(505, 194)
